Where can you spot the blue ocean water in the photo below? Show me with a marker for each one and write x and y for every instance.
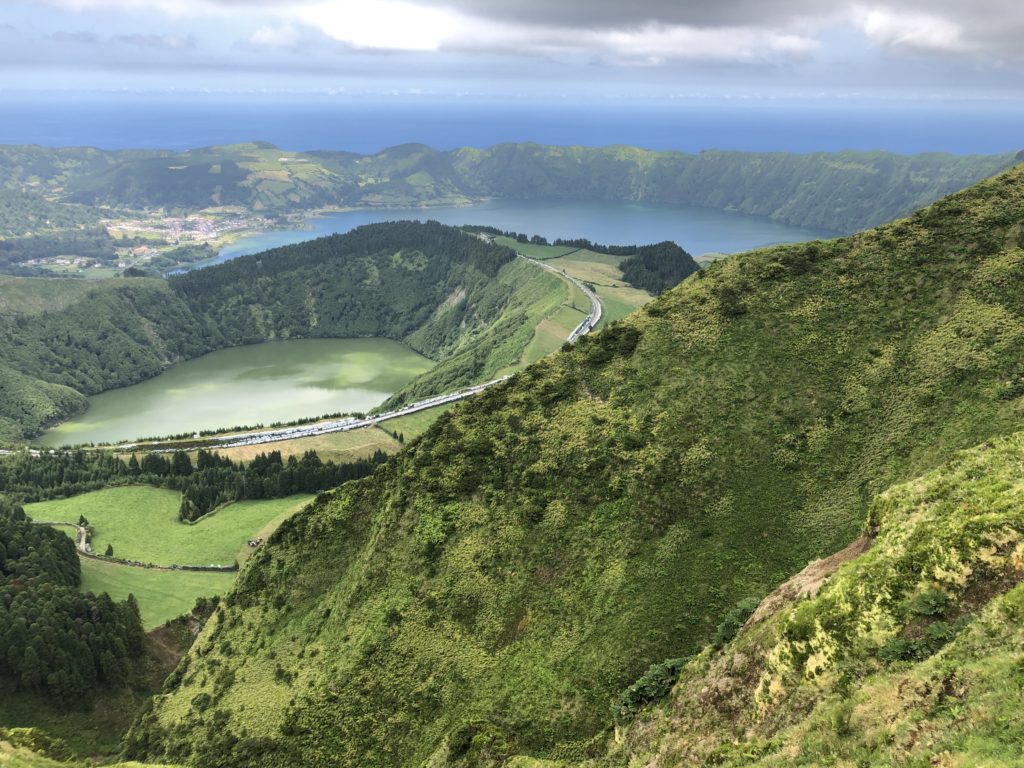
(119, 121)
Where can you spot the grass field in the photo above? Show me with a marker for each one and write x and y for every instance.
(141, 523)
(534, 251)
(339, 447)
(618, 298)
(162, 595)
(415, 424)
(602, 271)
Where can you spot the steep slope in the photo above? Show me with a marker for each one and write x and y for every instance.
(488, 592)
(911, 654)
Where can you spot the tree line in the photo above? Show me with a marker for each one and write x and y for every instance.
(204, 485)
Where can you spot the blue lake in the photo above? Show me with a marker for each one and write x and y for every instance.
(698, 230)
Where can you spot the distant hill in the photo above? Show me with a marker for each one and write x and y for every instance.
(841, 192)
(489, 593)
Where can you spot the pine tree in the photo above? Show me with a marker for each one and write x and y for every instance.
(31, 670)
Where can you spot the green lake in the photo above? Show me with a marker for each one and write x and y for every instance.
(262, 383)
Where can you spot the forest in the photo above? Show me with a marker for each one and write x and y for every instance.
(55, 641)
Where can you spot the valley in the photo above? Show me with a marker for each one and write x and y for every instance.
(545, 542)
(560, 527)
(141, 524)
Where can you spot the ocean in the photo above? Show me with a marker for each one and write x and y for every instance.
(364, 125)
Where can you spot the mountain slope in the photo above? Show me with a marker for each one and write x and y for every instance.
(911, 654)
(488, 592)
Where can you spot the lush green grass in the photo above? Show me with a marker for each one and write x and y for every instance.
(141, 523)
(415, 424)
(162, 595)
(33, 295)
(23, 757)
(542, 252)
(489, 590)
(618, 298)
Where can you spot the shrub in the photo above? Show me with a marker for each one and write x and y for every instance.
(733, 620)
(653, 685)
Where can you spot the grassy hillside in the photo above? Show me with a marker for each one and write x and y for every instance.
(489, 591)
(910, 655)
(29, 748)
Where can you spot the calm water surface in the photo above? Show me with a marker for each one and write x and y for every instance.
(276, 381)
(698, 230)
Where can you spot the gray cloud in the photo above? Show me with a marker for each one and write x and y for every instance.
(604, 14)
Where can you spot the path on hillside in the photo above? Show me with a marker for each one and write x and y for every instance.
(590, 321)
(81, 539)
(349, 423)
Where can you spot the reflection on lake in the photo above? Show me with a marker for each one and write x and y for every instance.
(261, 383)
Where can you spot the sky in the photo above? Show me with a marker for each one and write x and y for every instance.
(552, 50)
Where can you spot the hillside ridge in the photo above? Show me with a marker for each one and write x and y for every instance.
(841, 192)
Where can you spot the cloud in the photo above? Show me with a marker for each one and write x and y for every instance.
(286, 36)
(383, 24)
(160, 42)
(914, 30)
(861, 44)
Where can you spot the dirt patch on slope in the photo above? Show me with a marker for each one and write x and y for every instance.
(810, 580)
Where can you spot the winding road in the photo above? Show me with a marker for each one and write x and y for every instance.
(351, 422)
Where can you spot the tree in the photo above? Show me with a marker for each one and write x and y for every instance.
(110, 550)
(133, 466)
(181, 464)
(31, 670)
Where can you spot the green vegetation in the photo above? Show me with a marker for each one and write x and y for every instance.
(652, 268)
(599, 270)
(466, 304)
(54, 641)
(842, 191)
(339, 447)
(89, 246)
(24, 214)
(415, 424)
(490, 590)
(212, 481)
(161, 595)
(815, 682)
(141, 523)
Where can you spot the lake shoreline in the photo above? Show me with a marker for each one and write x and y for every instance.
(282, 380)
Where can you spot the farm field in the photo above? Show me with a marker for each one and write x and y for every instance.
(601, 270)
(162, 595)
(340, 447)
(141, 523)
